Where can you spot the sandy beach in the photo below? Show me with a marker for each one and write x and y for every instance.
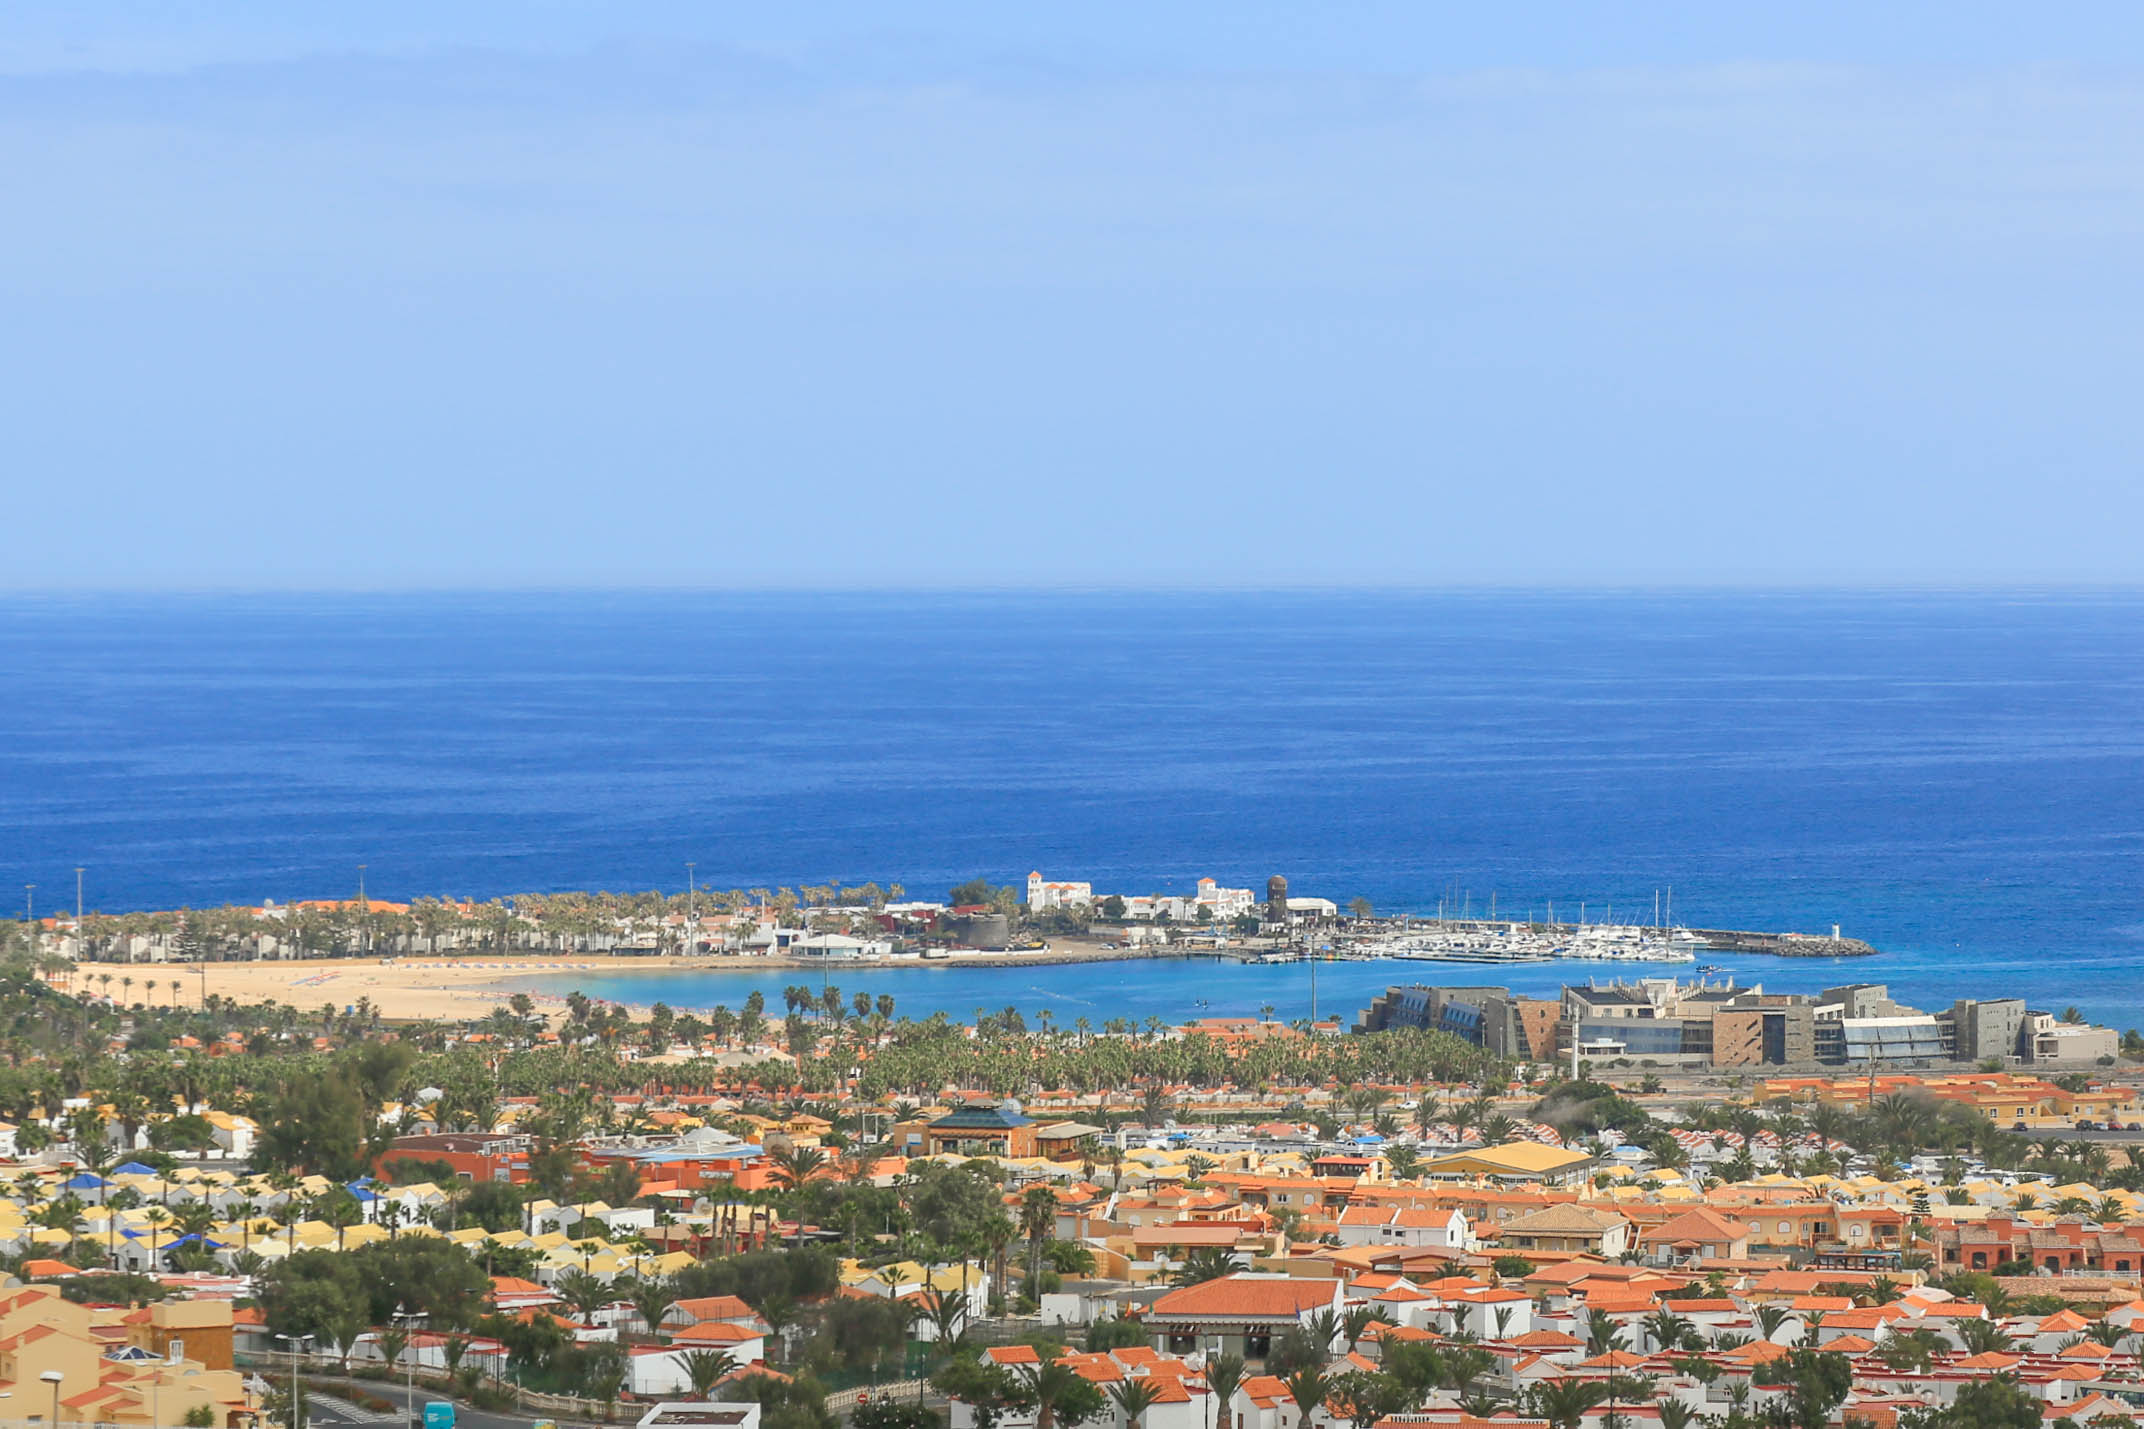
(451, 989)
(405, 989)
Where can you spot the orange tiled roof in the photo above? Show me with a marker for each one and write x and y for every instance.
(1260, 1297)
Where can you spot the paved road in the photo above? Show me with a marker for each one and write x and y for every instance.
(330, 1409)
(2104, 1138)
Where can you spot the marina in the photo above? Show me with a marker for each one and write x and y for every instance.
(1535, 943)
(1444, 940)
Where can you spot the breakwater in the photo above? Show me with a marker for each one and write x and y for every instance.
(1782, 945)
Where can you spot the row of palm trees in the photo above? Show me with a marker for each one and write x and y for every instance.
(1899, 1125)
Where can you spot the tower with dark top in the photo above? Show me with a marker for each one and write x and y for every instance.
(1277, 899)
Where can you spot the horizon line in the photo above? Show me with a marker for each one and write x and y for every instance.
(2128, 587)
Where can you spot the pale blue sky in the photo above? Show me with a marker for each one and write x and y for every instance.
(696, 294)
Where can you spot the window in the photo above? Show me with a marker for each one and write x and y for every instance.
(1786, 1227)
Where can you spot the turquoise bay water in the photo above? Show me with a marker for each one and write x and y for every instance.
(1170, 988)
(1958, 779)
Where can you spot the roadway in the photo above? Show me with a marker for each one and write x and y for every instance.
(330, 1409)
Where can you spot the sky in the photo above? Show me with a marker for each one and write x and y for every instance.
(499, 295)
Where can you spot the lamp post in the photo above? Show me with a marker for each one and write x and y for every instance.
(53, 1378)
(409, 1351)
(295, 1341)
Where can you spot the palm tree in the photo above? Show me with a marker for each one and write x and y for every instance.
(155, 1216)
(583, 1292)
(1322, 1329)
(705, 1369)
(651, 1300)
(1358, 1319)
(1462, 1367)
(1912, 1349)
(793, 1165)
(1224, 1376)
(1134, 1397)
(1207, 1262)
(1049, 1385)
(1674, 1414)
(1307, 1388)
(1038, 1222)
(1603, 1335)
(947, 1315)
(391, 1344)
(195, 1218)
(1982, 1337)
(1565, 1403)
(2106, 1332)
(1667, 1329)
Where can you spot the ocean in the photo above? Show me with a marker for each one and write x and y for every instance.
(1957, 778)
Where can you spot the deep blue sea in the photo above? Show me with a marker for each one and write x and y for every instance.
(1958, 779)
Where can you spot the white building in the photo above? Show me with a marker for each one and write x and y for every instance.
(701, 1415)
(2054, 1041)
(1041, 894)
(656, 1370)
(1403, 1225)
(841, 945)
(1224, 902)
(1207, 902)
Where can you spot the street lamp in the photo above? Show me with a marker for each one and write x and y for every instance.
(295, 1342)
(53, 1378)
(409, 1350)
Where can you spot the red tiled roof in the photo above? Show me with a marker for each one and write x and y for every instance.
(1257, 1297)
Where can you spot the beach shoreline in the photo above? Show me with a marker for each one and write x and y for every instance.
(432, 988)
